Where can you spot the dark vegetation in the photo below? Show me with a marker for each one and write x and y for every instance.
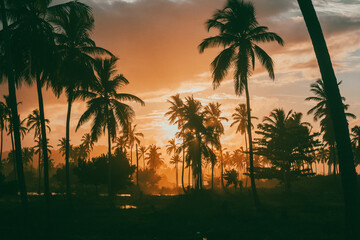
(109, 196)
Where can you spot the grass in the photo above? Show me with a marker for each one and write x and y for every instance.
(314, 210)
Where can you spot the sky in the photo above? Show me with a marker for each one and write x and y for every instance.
(156, 42)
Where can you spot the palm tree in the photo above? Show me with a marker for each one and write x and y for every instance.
(132, 137)
(74, 25)
(8, 73)
(143, 150)
(154, 159)
(172, 147)
(239, 34)
(175, 117)
(355, 134)
(106, 107)
(87, 144)
(4, 113)
(34, 123)
(338, 117)
(321, 111)
(213, 120)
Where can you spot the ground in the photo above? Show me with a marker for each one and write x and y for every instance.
(314, 210)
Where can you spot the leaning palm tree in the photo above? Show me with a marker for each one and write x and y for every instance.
(76, 49)
(239, 34)
(338, 117)
(106, 108)
(172, 147)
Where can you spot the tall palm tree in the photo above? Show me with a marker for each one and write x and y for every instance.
(34, 123)
(132, 137)
(239, 34)
(321, 111)
(338, 117)
(175, 117)
(73, 27)
(214, 120)
(154, 157)
(7, 72)
(106, 108)
(172, 147)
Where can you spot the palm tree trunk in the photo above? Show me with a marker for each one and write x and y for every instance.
(13, 150)
(341, 129)
(137, 167)
(212, 176)
(14, 111)
(67, 149)
(44, 141)
(222, 169)
(143, 160)
(39, 167)
(251, 157)
(131, 155)
(1, 148)
(183, 171)
(110, 192)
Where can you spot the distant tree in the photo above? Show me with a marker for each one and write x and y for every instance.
(287, 142)
(231, 177)
(154, 159)
(4, 115)
(148, 180)
(172, 147)
(87, 144)
(106, 107)
(321, 112)
(239, 34)
(143, 150)
(132, 137)
(355, 134)
(214, 120)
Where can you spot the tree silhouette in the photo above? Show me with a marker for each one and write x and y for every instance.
(172, 147)
(321, 111)
(355, 134)
(287, 142)
(213, 119)
(143, 150)
(154, 159)
(106, 107)
(7, 72)
(34, 123)
(76, 50)
(239, 33)
(132, 137)
(338, 117)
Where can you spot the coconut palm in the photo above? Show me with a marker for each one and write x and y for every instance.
(106, 108)
(321, 112)
(239, 34)
(7, 72)
(214, 120)
(73, 27)
(143, 150)
(172, 147)
(132, 137)
(4, 114)
(34, 123)
(175, 117)
(154, 159)
(338, 117)
(87, 144)
(355, 140)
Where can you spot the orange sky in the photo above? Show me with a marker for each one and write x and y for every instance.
(156, 41)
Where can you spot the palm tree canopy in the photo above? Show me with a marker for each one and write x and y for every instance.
(154, 157)
(105, 103)
(34, 123)
(240, 118)
(239, 34)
